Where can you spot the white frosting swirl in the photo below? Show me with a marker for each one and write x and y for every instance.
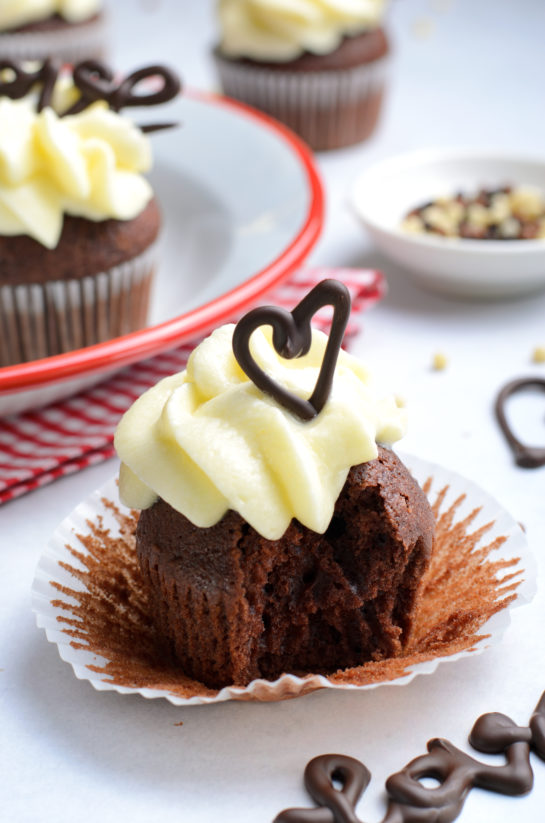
(207, 440)
(15, 13)
(87, 165)
(281, 30)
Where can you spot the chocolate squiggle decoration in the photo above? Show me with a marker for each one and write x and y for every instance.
(528, 457)
(292, 337)
(23, 80)
(337, 805)
(456, 772)
(95, 81)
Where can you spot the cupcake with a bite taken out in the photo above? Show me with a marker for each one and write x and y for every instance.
(275, 534)
(319, 66)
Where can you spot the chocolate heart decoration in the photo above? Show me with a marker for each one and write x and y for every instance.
(529, 457)
(292, 337)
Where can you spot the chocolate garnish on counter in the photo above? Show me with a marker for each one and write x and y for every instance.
(292, 337)
(95, 81)
(336, 805)
(528, 457)
(410, 801)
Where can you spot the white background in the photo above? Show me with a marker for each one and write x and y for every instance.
(72, 754)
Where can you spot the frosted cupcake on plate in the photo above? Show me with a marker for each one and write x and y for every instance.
(68, 29)
(78, 219)
(277, 531)
(318, 66)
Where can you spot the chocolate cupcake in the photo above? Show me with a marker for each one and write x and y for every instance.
(319, 68)
(78, 221)
(275, 535)
(235, 606)
(71, 30)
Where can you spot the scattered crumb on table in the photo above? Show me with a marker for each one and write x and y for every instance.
(439, 361)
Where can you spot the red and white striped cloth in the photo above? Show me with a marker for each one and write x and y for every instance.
(38, 447)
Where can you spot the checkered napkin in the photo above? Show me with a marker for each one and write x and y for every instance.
(37, 447)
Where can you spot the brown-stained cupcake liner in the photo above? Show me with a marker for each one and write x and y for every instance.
(89, 597)
(43, 319)
(328, 109)
(71, 43)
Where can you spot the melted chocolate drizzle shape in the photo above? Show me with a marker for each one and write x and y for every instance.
(292, 337)
(456, 772)
(95, 81)
(528, 457)
(23, 80)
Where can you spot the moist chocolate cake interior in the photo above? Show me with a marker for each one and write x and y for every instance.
(235, 606)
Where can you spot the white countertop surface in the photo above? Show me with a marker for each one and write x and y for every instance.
(73, 754)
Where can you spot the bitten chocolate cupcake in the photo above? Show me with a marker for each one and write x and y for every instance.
(275, 534)
(78, 221)
(318, 66)
(71, 30)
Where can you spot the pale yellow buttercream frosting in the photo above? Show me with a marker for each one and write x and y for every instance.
(87, 165)
(281, 30)
(207, 440)
(15, 13)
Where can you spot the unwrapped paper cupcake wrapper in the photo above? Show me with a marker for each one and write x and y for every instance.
(70, 43)
(475, 521)
(40, 320)
(328, 109)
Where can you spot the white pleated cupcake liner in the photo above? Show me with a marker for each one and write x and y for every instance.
(52, 572)
(43, 319)
(70, 43)
(328, 109)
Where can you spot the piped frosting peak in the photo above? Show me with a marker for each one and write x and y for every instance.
(208, 440)
(87, 165)
(15, 13)
(281, 30)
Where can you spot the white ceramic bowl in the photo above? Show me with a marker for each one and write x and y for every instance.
(385, 192)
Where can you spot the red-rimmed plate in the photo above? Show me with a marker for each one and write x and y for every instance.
(242, 204)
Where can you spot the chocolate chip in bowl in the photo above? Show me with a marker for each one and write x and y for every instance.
(489, 195)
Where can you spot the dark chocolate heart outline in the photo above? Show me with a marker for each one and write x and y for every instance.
(292, 337)
(528, 457)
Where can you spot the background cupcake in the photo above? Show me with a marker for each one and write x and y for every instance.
(78, 224)
(68, 29)
(316, 65)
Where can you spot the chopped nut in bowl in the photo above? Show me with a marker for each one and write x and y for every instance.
(438, 239)
(505, 213)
